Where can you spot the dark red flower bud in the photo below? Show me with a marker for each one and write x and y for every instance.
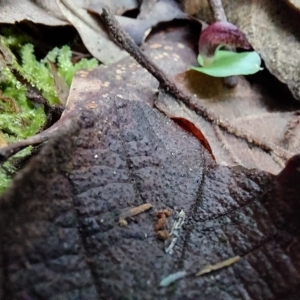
(220, 34)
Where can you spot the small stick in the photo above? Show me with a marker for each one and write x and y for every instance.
(218, 266)
(216, 8)
(133, 212)
(12, 149)
(168, 86)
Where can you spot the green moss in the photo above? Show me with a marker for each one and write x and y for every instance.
(19, 118)
(7, 170)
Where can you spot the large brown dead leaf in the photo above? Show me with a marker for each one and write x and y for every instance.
(59, 227)
(245, 108)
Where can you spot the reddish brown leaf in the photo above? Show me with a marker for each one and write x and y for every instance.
(123, 154)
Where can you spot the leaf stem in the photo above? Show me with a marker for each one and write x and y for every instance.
(217, 10)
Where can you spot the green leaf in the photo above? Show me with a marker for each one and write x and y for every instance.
(200, 60)
(228, 63)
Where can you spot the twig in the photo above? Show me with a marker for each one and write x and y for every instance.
(10, 150)
(133, 212)
(169, 87)
(218, 266)
(218, 12)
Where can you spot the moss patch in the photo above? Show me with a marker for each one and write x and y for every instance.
(19, 118)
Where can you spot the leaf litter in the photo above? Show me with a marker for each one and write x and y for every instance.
(249, 203)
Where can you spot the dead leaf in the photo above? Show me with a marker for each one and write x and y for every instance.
(51, 7)
(17, 11)
(125, 153)
(151, 14)
(243, 109)
(294, 3)
(92, 35)
(117, 7)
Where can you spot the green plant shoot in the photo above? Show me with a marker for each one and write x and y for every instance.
(229, 63)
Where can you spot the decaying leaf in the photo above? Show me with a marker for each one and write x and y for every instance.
(17, 11)
(123, 153)
(294, 3)
(117, 7)
(93, 36)
(151, 14)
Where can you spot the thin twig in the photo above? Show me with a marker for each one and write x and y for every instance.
(168, 86)
(223, 264)
(217, 10)
(12, 149)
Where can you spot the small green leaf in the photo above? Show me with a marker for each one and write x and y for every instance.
(228, 63)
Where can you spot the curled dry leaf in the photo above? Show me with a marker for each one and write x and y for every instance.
(117, 7)
(17, 11)
(294, 3)
(151, 14)
(93, 36)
